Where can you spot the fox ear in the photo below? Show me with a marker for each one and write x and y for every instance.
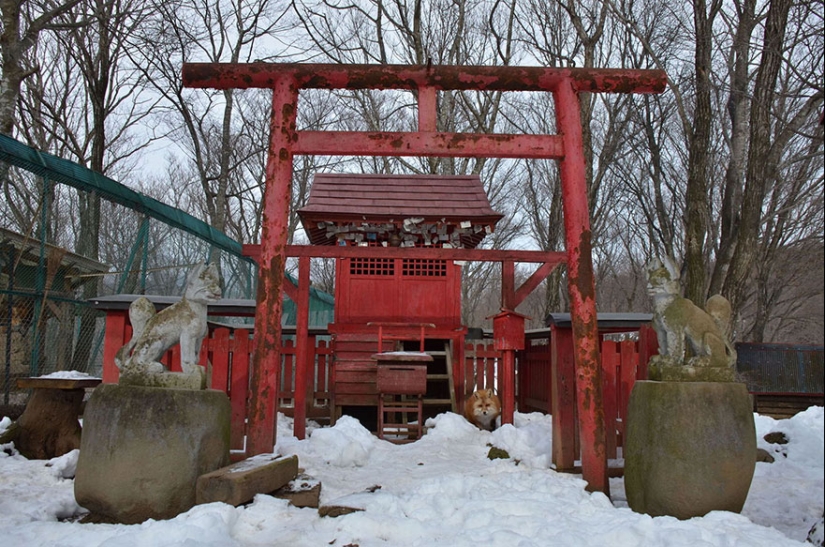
(195, 273)
(672, 267)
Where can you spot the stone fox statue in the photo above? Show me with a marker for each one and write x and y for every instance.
(183, 322)
(687, 334)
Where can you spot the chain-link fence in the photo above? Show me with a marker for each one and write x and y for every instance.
(51, 228)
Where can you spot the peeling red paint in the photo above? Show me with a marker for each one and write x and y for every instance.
(581, 287)
(266, 357)
(428, 144)
(442, 77)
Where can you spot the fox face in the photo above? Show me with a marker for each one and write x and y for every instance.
(482, 408)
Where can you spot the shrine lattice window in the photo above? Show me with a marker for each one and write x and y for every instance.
(372, 266)
(416, 267)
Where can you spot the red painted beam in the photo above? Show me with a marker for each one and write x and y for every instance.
(349, 143)
(582, 289)
(467, 255)
(483, 78)
(290, 288)
(427, 109)
(532, 282)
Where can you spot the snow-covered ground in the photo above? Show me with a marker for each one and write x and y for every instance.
(439, 491)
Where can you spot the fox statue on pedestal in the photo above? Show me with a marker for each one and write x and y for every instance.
(153, 333)
(693, 342)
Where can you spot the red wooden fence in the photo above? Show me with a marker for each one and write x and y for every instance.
(480, 367)
(534, 376)
(620, 370)
(229, 352)
(534, 381)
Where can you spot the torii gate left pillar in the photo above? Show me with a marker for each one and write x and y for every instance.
(286, 80)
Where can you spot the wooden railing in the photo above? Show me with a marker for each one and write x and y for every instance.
(228, 349)
(481, 363)
(620, 370)
(535, 387)
(230, 352)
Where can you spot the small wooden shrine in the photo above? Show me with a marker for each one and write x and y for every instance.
(396, 303)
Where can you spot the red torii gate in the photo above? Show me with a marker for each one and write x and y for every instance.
(286, 80)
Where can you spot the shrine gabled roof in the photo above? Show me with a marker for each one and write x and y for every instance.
(452, 200)
(431, 196)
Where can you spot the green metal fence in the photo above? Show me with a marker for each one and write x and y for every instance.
(782, 368)
(47, 277)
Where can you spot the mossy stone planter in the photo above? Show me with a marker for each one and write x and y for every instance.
(143, 449)
(690, 448)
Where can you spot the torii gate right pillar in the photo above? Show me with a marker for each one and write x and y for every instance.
(582, 290)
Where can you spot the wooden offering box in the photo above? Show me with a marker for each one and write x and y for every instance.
(402, 372)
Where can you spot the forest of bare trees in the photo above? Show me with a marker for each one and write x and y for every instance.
(724, 171)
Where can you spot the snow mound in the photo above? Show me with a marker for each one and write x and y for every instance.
(346, 444)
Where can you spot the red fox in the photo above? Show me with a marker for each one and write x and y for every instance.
(482, 408)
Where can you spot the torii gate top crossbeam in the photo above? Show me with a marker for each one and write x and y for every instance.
(477, 78)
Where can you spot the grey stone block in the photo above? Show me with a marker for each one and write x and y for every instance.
(143, 449)
(690, 448)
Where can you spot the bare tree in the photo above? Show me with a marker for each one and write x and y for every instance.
(697, 214)
(758, 170)
(22, 23)
(563, 33)
(738, 66)
(750, 94)
(68, 107)
(206, 125)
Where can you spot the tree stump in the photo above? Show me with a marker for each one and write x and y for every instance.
(49, 426)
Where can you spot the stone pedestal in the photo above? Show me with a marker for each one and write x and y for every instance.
(143, 449)
(690, 448)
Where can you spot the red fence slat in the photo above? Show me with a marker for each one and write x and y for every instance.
(629, 374)
(239, 387)
(286, 391)
(219, 357)
(611, 363)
